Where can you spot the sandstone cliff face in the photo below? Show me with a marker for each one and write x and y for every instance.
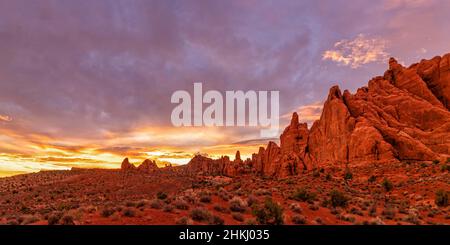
(403, 115)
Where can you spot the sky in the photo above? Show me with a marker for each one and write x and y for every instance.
(86, 83)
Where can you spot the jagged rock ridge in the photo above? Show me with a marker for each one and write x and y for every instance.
(403, 115)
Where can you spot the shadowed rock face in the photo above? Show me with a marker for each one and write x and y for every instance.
(127, 166)
(147, 166)
(403, 115)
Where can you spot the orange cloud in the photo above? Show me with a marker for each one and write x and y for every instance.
(5, 118)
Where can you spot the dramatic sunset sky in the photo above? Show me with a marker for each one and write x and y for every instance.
(86, 83)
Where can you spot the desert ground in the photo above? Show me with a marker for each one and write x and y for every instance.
(407, 193)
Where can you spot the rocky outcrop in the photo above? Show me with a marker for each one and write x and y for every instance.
(403, 115)
(127, 166)
(148, 166)
(223, 166)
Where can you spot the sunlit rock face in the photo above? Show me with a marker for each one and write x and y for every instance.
(403, 115)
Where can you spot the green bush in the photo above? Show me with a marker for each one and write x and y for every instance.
(269, 214)
(302, 194)
(372, 179)
(436, 161)
(338, 199)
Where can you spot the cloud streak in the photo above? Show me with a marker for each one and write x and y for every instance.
(358, 51)
(5, 118)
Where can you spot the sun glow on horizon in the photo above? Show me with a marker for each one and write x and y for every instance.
(24, 153)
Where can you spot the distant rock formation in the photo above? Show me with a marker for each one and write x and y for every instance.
(127, 166)
(147, 166)
(403, 115)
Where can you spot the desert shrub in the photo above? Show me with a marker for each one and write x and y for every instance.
(356, 211)
(313, 207)
(348, 175)
(302, 194)
(376, 221)
(251, 199)
(200, 214)
(372, 179)
(373, 211)
(168, 208)
(441, 198)
(237, 205)
(318, 221)
(338, 199)
(251, 221)
(295, 207)
(412, 217)
(269, 213)
(53, 219)
(328, 177)
(238, 217)
(106, 212)
(29, 219)
(141, 203)
(67, 220)
(205, 197)
(263, 192)
(130, 204)
(389, 212)
(216, 220)
(161, 195)
(156, 204)
(184, 221)
(445, 167)
(12, 222)
(387, 185)
(129, 212)
(316, 173)
(298, 219)
(436, 161)
(220, 208)
(181, 204)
